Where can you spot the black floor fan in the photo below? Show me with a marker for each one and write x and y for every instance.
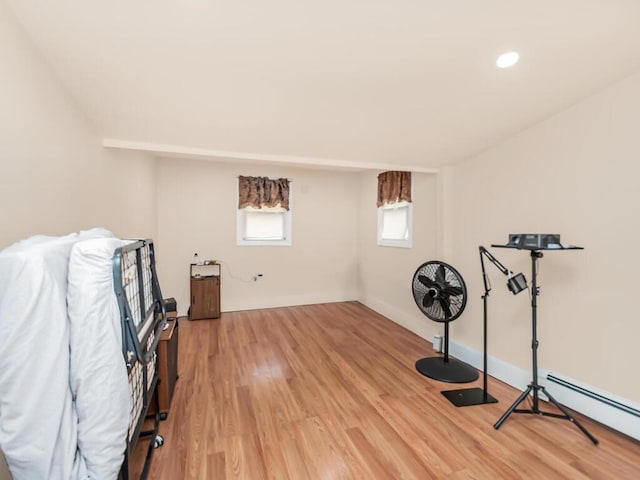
(441, 294)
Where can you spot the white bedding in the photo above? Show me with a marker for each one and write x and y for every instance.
(38, 432)
(98, 375)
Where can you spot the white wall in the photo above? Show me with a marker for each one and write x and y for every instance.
(575, 174)
(197, 203)
(386, 272)
(56, 177)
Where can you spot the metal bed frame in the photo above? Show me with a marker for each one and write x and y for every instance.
(143, 316)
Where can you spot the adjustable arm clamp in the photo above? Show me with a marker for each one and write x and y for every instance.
(515, 283)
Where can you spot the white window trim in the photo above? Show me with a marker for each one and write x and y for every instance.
(384, 242)
(285, 242)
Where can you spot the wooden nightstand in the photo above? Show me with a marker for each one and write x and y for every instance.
(205, 291)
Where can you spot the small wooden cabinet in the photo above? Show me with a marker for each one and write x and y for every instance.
(205, 291)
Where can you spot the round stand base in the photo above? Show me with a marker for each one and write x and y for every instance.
(451, 371)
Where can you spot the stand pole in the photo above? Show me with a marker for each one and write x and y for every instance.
(534, 387)
(475, 396)
(535, 255)
(484, 348)
(446, 342)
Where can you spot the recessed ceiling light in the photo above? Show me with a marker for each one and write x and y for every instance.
(507, 60)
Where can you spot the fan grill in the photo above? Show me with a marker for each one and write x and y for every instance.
(439, 291)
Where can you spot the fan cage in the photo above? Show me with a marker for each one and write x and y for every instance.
(452, 279)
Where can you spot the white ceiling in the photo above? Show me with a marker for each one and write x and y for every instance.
(374, 82)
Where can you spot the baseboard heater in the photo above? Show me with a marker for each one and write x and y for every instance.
(594, 395)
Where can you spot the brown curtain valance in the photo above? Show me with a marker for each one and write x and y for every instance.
(260, 192)
(394, 187)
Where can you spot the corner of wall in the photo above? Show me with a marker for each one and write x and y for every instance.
(444, 212)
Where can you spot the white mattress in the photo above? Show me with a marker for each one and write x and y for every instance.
(98, 375)
(38, 433)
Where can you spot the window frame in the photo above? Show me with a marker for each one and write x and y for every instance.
(387, 242)
(241, 221)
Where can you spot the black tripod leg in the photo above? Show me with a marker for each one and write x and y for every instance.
(515, 404)
(570, 417)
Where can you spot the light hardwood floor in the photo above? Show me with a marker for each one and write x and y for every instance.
(330, 392)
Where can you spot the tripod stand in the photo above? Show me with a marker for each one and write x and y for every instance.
(534, 388)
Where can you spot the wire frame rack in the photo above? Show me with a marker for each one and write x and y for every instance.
(143, 316)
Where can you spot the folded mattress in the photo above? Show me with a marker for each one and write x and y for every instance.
(98, 374)
(38, 421)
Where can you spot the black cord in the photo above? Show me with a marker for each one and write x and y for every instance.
(226, 266)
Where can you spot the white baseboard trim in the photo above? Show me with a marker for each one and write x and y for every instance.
(236, 305)
(503, 371)
(421, 326)
(615, 418)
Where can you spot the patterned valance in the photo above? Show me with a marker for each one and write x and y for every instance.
(260, 192)
(394, 187)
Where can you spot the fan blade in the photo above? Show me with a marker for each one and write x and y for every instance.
(445, 307)
(453, 291)
(440, 275)
(426, 281)
(427, 301)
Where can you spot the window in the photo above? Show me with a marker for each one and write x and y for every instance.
(395, 225)
(395, 210)
(264, 226)
(264, 212)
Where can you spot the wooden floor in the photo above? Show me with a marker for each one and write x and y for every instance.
(330, 392)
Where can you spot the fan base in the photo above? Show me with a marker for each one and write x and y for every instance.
(451, 371)
(468, 397)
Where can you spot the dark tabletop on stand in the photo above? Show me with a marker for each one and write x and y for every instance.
(554, 247)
